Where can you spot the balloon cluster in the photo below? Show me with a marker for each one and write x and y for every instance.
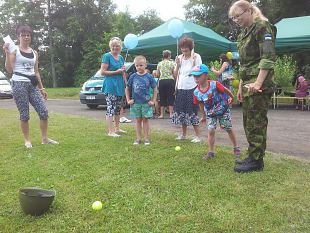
(232, 55)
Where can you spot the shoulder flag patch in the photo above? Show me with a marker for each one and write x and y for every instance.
(268, 37)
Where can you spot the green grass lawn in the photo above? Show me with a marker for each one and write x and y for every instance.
(143, 188)
(63, 93)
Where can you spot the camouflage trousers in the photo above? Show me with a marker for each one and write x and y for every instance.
(255, 121)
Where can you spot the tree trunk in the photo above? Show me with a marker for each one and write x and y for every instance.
(50, 35)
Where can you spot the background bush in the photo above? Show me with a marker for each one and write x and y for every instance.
(285, 69)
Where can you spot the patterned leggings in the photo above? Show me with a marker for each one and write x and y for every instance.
(25, 93)
(114, 104)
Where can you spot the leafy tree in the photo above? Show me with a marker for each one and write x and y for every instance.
(123, 23)
(277, 10)
(211, 14)
(71, 24)
(147, 21)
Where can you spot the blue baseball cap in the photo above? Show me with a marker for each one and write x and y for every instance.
(199, 70)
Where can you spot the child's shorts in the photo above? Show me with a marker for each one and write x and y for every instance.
(225, 121)
(141, 110)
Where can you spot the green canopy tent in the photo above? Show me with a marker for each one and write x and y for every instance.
(207, 43)
(293, 35)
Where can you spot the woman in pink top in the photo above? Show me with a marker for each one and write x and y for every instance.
(301, 89)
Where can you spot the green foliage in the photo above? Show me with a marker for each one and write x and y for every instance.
(94, 49)
(217, 65)
(284, 70)
(147, 21)
(306, 71)
(143, 188)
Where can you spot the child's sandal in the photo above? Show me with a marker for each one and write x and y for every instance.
(208, 156)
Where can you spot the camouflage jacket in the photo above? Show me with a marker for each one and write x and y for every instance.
(256, 46)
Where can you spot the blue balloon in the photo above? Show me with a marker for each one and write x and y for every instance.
(130, 41)
(176, 28)
(235, 55)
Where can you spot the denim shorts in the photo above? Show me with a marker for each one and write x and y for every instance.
(224, 120)
(141, 110)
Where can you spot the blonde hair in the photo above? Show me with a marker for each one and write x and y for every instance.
(139, 58)
(115, 40)
(245, 5)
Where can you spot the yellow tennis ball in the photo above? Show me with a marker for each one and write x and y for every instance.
(177, 148)
(97, 205)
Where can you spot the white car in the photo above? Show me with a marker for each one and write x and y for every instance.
(5, 87)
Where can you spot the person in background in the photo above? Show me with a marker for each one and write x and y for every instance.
(113, 68)
(185, 112)
(139, 97)
(166, 86)
(27, 86)
(157, 102)
(225, 73)
(209, 95)
(301, 90)
(256, 46)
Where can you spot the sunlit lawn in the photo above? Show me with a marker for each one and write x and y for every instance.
(63, 93)
(143, 188)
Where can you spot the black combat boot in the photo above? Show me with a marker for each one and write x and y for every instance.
(241, 161)
(249, 165)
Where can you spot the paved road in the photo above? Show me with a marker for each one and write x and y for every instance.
(288, 130)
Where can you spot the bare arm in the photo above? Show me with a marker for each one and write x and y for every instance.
(127, 92)
(239, 93)
(201, 107)
(230, 94)
(219, 72)
(9, 58)
(38, 77)
(256, 86)
(177, 67)
(104, 70)
(154, 95)
(158, 72)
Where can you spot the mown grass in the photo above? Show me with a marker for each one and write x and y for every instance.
(63, 93)
(144, 188)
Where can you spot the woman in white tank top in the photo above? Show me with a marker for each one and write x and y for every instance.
(26, 84)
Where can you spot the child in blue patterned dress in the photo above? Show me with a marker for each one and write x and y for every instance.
(209, 95)
(139, 98)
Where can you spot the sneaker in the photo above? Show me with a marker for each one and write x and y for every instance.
(237, 151)
(120, 131)
(28, 145)
(50, 141)
(196, 140)
(209, 156)
(137, 142)
(181, 137)
(147, 142)
(124, 120)
(115, 135)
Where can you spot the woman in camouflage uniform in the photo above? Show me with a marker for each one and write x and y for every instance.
(256, 46)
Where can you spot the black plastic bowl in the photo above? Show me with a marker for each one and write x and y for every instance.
(36, 201)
